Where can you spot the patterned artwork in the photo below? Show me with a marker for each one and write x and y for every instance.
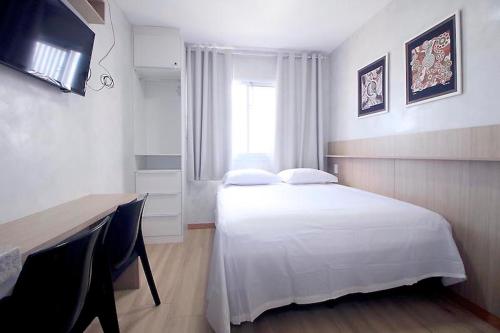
(372, 88)
(431, 63)
(432, 68)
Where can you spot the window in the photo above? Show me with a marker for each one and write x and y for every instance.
(253, 124)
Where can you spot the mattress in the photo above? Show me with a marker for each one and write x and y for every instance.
(281, 244)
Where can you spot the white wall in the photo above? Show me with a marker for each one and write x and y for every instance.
(55, 147)
(399, 22)
(255, 68)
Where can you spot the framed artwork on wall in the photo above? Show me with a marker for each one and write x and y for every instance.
(433, 63)
(372, 88)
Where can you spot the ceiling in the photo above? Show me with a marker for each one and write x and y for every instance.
(319, 25)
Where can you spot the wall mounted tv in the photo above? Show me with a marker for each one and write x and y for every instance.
(45, 39)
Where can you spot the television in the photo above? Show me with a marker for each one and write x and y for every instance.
(45, 39)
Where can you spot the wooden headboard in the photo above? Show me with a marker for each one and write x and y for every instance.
(453, 172)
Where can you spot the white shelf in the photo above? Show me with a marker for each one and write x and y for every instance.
(92, 11)
(159, 194)
(158, 73)
(161, 215)
(434, 158)
(159, 171)
(152, 154)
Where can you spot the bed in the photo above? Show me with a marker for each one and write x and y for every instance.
(281, 244)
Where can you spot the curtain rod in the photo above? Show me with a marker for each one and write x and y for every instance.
(259, 52)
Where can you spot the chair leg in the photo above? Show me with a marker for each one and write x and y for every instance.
(86, 317)
(100, 303)
(141, 250)
(8, 317)
(108, 319)
(107, 309)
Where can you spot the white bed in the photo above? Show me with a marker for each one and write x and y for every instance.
(281, 244)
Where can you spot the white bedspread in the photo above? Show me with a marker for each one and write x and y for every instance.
(281, 244)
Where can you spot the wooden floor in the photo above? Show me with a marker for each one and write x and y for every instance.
(181, 275)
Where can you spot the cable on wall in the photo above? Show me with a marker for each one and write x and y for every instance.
(106, 79)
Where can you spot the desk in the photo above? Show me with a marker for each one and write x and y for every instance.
(49, 227)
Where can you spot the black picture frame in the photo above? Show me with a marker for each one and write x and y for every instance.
(372, 88)
(433, 62)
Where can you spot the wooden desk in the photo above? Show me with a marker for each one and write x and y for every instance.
(48, 227)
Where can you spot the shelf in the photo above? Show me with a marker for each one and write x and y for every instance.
(159, 194)
(158, 162)
(432, 158)
(150, 154)
(161, 215)
(158, 171)
(93, 11)
(358, 156)
(158, 73)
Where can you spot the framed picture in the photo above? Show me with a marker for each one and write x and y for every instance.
(372, 88)
(433, 63)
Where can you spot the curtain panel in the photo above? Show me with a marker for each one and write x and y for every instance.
(299, 116)
(209, 79)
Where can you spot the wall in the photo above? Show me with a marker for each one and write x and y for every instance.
(454, 169)
(255, 68)
(399, 22)
(55, 147)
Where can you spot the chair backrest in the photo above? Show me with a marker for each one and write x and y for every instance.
(54, 282)
(123, 231)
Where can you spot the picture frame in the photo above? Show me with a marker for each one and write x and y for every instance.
(373, 92)
(433, 62)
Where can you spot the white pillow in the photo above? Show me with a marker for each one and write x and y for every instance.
(250, 177)
(307, 176)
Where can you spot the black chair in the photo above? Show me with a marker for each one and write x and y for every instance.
(54, 286)
(125, 243)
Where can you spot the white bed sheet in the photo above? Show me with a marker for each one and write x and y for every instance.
(281, 244)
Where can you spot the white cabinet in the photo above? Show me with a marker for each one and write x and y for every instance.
(158, 181)
(157, 47)
(163, 204)
(161, 226)
(162, 216)
(159, 121)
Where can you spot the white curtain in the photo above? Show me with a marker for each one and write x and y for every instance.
(209, 78)
(299, 118)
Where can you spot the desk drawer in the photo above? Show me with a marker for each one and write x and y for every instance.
(163, 204)
(161, 226)
(158, 182)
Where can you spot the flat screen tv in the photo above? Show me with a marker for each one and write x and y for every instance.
(45, 39)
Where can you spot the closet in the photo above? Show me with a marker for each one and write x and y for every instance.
(159, 123)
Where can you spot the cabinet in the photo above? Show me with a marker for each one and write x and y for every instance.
(162, 216)
(159, 122)
(157, 47)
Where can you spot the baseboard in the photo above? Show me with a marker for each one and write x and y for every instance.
(478, 311)
(210, 225)
(163, 239)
